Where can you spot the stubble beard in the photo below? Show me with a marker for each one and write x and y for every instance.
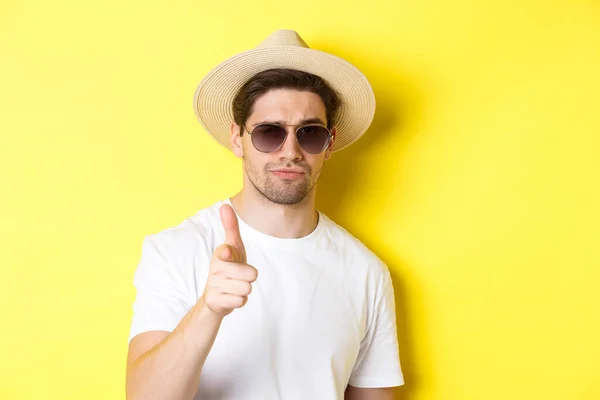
(282, 191)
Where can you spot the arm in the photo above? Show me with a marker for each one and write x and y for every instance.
(354, 393)
(163, 365)
(377, 371)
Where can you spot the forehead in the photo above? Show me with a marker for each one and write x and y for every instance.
(288, 105)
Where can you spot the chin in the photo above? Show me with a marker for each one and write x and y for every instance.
(287, 197)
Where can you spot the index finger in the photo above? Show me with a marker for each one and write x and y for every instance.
(232, 229)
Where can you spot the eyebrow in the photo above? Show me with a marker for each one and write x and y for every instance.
(303, 122)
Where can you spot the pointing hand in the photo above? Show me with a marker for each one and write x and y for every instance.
(229, 277)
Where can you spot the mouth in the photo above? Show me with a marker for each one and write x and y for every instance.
(288, 174)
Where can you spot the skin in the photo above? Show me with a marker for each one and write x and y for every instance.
(278, 206)
(160, 364)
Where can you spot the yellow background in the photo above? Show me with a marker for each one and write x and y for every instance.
(478, 183)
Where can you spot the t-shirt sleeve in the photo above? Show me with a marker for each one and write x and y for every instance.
(378, 362)
(162, 297)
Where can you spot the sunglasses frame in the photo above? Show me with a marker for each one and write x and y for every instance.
(327, 142)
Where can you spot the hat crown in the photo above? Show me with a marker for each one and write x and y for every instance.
(282, 38)
(284, 49)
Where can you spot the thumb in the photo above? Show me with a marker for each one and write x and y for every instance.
(232, 230)
(226, 252)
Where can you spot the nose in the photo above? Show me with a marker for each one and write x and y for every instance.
(291, 149)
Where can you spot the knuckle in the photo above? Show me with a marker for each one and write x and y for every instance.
(232, 302)
(248, 288)
(252, 272)
(240, 301)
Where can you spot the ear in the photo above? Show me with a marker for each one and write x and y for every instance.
(236, 140)
(329, 149)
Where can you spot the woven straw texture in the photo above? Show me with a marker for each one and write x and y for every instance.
(285, 49)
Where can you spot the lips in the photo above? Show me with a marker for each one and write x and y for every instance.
(295, 171)
(288, 173)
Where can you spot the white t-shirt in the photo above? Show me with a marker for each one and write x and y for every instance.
(321, 314)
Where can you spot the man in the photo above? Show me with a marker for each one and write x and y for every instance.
(261, 296)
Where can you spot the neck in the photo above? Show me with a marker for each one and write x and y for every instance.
(286, 221)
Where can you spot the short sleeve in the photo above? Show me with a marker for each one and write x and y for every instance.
(378, 362)
(162, 297)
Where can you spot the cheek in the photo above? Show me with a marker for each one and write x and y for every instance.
(255, 163)
(316, 164)
(246, 144)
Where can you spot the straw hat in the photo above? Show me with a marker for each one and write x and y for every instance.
(214, 96)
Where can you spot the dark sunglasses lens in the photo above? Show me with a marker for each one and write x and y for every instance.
(267, 138)
(313, 138)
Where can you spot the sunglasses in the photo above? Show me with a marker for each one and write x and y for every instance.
(267, 138)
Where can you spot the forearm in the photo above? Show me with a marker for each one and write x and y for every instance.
(171, 369)
(354, 393)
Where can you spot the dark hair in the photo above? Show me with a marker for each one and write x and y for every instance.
(268, 80)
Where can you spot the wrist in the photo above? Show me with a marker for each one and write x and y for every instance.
(207, 314)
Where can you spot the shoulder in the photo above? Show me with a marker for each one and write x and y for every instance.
(364, 271)
(352, 248)
(192, 235)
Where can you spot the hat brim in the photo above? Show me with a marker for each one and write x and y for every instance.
(214, 95)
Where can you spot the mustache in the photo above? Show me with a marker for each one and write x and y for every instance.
(289, 164)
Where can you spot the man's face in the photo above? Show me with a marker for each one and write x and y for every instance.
(264, 170)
